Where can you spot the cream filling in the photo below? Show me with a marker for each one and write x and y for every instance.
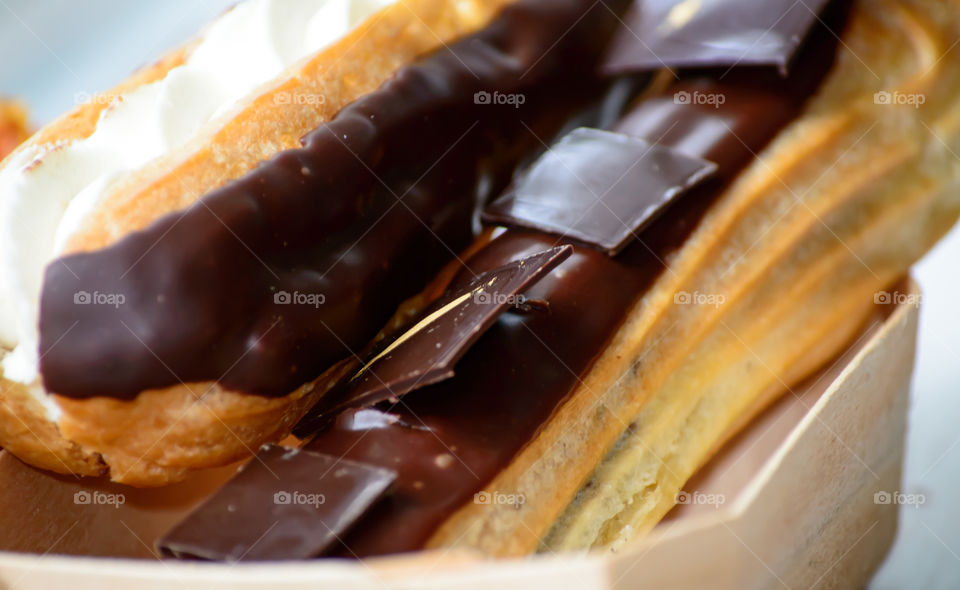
(46, 193)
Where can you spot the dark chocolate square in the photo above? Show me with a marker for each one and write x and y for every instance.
(284, 504)
(598, 187)
(658, 34)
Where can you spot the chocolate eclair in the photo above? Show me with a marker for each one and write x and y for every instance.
(191, 258)
(576, 417)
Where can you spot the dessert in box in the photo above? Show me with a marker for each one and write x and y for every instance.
(781, 473)
(512, 289)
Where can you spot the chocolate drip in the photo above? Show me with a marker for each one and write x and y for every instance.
(516, 376)
(265, 283)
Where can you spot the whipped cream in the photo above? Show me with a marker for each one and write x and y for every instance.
(47, 192)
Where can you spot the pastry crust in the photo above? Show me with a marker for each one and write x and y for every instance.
(837, 208)
(161, 435)
(13, 126)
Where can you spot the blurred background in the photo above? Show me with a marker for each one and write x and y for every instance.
(52, 51)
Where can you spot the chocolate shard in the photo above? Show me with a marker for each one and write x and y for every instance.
(598, 187)
(427, 352)
(707, 33)
(284, 504)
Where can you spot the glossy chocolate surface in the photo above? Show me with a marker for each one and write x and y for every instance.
(265, 283)
(427, 352)
(449, 440)
(705, 33)
(598, 187)
(285, 504)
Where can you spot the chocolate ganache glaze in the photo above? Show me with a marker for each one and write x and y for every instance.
(265, 283)
(450, 439)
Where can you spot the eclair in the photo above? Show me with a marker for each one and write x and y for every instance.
(189, 258)
(577, 416)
